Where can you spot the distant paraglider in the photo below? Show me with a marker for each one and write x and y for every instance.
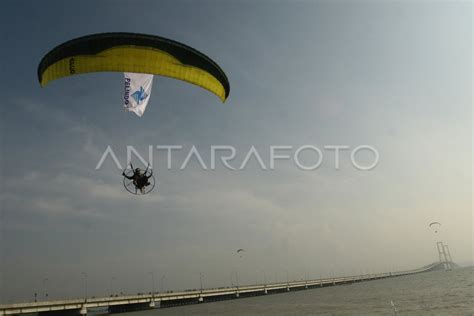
(240, 252)
(435, 226)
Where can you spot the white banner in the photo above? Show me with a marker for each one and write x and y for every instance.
(137, 92)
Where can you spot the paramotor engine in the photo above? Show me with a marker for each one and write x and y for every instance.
(138, 182)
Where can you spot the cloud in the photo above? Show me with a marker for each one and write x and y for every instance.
(64, 122)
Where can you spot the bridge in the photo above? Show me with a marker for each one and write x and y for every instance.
(119, 304)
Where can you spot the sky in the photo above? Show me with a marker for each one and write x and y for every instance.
(396, 76)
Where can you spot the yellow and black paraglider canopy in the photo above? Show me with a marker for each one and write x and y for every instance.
(138, 53)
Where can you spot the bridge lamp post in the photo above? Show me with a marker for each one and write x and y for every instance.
(152, 282)
(200, 280)
(237, 280)
(44, 287)
(287, 281)
(162, 281)
(84, 274)
(111, 286)
(152, 302)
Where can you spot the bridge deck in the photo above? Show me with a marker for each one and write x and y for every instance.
(81, 305)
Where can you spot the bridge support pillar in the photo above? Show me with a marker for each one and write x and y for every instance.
(448, 256)
(443, 255)
(83, 310)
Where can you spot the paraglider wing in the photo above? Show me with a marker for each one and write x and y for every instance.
(135, 53)
(240, 250)
(433, 223)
